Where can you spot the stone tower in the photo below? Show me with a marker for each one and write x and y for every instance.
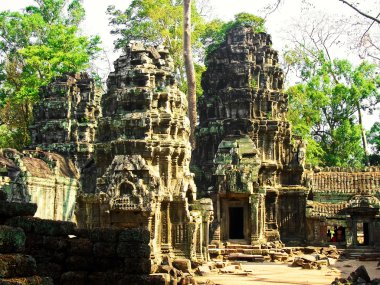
(244, 159)
(142, 158)
(65, 119)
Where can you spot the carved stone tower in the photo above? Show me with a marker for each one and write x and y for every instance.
(244, 158)
(142, 157)
(66, 118)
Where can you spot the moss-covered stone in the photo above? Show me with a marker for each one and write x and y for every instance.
(12, 209)
(129, 249)
(15, 265)
(135, 235)
(42, 227)
(11, 239)
(3, 195)
(34, 280)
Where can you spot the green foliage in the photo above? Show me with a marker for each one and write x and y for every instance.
(374, 140)
(324, 109)
(199, 69)
(156, 22)
(35, 46)
(216, 30)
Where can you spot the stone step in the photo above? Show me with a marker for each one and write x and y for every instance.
(13, 209)
(246, 257)
(15, 265)
(11, 239)
(34, 280)
(42, 227)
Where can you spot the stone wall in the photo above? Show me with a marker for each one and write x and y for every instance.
(32, 247)
(344, 197)
(345, 181)
(47, 179)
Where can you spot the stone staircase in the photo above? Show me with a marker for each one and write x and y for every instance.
(251, 253)
(363, 253)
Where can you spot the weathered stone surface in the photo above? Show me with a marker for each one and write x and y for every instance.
(80, 246)
(129, 249)
(79, 263)
(55, 243)
(51, 269)
(135, 235)
(104, 249)
(244, 154)
(340, 192)
(15, 265)
(182, 264)
(11, 239)
(141, 160)
(66, 118)
(42, 227)
(3, 195)
(74, 277)
(105, 235)
(35, 280)
(159, 279)
(137, 265)
(11, 209)
(360, 272)
(47, 179)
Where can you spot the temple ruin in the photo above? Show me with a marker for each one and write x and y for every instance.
(245, 155)
(119, 164)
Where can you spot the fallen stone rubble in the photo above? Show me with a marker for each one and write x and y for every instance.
(359, 276)
(305, 257)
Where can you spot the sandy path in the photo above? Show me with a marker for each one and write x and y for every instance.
(271, 273)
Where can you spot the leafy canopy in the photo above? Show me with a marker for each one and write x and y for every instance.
(36, 45)
(156, 22)
(325, 108)
(216, 30)
(374, 140)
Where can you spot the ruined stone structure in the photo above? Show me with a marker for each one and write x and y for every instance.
(35, 251)
(65, 119)
(344, 202)
(119, 166)
(244, 157)
(47, 179)
(142, 157)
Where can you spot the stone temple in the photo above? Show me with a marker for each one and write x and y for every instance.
(120, 166)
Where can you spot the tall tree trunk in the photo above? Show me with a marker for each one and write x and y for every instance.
(190, 71)
(364, 137)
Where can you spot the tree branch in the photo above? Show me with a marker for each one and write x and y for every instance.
(360, 12)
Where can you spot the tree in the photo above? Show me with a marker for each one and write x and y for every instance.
(326, 108)
(216, 30)
(374, 140)
(190, 71)
(37, 45)
(156, 22)
(361, 33)
(366, 15)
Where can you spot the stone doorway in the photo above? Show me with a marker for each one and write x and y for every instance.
(236, 220)
(362, 233)
(234, 213)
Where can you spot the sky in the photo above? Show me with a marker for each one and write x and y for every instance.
(277, 23)
(96, 21)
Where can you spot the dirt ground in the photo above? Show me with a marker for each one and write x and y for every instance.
(272, 273)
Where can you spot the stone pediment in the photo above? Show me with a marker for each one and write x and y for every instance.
(130, 184)
(364, 201)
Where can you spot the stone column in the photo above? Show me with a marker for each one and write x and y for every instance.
(254, 201)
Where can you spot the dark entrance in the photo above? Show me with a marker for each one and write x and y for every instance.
(366, 233)
(362, 233)
(236, 222)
